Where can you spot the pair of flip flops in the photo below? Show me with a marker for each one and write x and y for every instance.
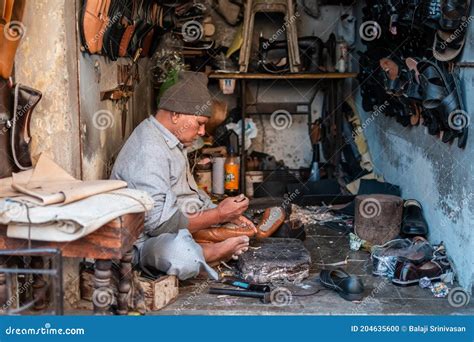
(454, 21)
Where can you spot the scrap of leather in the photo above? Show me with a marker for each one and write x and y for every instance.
(272, 219)
(49, 184)
(125, 41)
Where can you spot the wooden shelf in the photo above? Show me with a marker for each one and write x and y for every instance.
(290, 76)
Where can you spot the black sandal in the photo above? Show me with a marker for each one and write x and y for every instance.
(441, 98)
(453, 13)
(349, 287)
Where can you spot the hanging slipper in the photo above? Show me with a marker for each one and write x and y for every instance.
(449, 41)
(399, 82)
(447, 46)
(453, 14)
(442, 99)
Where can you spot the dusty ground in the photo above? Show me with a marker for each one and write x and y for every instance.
(325, 246)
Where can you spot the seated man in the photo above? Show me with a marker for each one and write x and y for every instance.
(154, 159)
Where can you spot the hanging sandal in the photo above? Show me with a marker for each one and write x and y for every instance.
(453, 14)
(447, 46)
(441, 98)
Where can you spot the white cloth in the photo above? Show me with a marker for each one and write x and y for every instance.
(175, 254)
(69, 222)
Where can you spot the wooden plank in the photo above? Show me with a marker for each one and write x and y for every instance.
(108, 242)
(292, 76)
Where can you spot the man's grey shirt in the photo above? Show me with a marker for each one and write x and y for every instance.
(155, 161)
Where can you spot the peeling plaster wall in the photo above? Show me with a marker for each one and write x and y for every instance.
(440, 176)
(71, 124)
(46, 60)
(101, 121)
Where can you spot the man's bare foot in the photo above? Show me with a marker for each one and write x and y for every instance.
(225, 250)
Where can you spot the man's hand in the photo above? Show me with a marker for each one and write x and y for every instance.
(242, 221)
(232, 208)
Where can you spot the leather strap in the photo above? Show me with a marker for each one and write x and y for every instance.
(6, 9)
(125, 41)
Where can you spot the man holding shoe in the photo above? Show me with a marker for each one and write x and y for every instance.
(154, 159)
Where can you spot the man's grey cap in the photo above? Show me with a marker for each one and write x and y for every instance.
(189, 95)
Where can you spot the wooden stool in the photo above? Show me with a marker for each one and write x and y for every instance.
(276, 6)
(378, 218)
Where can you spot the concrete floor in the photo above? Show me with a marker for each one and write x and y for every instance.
(325, 246)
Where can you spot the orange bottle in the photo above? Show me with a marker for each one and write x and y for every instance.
(231, 167)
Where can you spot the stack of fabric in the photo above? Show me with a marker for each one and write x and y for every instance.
(48, 204)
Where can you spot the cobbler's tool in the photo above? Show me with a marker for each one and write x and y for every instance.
(237, 282)
(263, 296)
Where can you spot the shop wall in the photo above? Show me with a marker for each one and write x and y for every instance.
(81, 132)
(439, 175)
(46, 60)
(288, 140)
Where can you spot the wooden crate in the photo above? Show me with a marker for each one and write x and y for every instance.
(160, 292)
(157, 293)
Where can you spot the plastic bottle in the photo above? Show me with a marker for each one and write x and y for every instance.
(314, 175)
(232, 167)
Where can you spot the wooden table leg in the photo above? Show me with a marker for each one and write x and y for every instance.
(3, 286)
(103, 295)
(125, 282)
